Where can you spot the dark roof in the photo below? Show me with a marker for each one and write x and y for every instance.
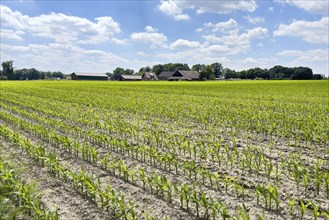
(165, 74)
(90, 74)
(189, 74)
(132, 77)
(149, 75)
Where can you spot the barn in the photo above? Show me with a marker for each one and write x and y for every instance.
(88, 76)
(149, 76)
(130, 78)
(179, 75)
(165, 75)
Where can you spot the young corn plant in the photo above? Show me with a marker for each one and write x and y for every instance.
(196, 199)
(291, 206)
(273, 192)
(243, 212)
(303, 208)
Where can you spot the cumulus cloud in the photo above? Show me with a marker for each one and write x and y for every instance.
(221, 26)
(231, 43)
(310, 31)
(316, 7)
(224, 7)
(156, 39)
(258, 32)
(67, 57)
(11, 34)
(234, 42)
(119, 41)
(181, 43)
(60, 27)
(254, 20)
(307, 56)
(175, 8)
(171, 9)
(260, 62)
(150, 29)
(196, 55)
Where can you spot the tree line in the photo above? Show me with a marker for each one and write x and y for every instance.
(206, 72)
(9, 73)
(216, 70)
(276, 72)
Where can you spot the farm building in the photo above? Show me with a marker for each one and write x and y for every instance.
(130, 78)
(179, 75)
(149, 76)
(88, 76)
(165, 75)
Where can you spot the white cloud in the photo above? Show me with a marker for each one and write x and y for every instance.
(119, 41)
(194, 56)
(212, 38)
(156, 39)
(260, 45)
(233, 42)
(260, 62)
(258, 32)
(222, 7)
(141, 53)
(175, 8)
(11, 34)
(306, 56)
(181, 43)
(67, 57)
(254, 20)
(171, 9)
(316, 7)
(221, 26)
(61, 28)
(310, 31)
(150, 29)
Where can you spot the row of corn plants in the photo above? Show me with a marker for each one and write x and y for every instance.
(84, 183)
(19, 199)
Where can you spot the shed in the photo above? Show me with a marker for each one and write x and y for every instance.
(149, 76)
(130, 78)
(88, 76)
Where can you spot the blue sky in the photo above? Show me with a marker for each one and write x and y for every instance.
(99, 36)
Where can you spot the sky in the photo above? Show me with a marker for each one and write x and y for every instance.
(98, 36)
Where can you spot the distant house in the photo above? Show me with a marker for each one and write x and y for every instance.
(179, 75)
(88, 76)
(165, 75)
(130, 78)
(149, 76)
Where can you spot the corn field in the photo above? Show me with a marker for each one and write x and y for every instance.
(164, 150)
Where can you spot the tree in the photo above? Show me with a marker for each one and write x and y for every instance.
(8, 69)
(33, 74)
(207, 73)
(57, 74)
(120, 71)
(210, 72)
(157, 69)
(144, 70)
(218, 69)
(169, 67)
(228, 73)
(198, 67)
(302, 73)
(318, 76)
